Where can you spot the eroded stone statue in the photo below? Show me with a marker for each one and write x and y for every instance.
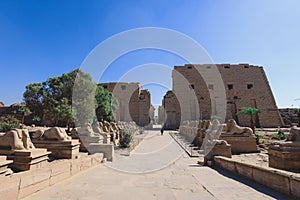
(214, 125)
(16, 139)
(87, 130)
(97, 128)
(205, 124)
(105, 126)
(108, 127)
(54, 133)
(115, 127)
(216, 147)
(100, 124)
(112, 130)
(233, 128)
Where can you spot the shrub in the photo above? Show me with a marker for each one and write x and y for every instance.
(258, 137)
(125, 137)
(279, 136)
(8, 122)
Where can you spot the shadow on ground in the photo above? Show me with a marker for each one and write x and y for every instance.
(254, 185)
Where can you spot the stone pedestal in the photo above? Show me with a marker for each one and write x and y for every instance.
(240, 143)
(216, 148)
(26, 159)
(60, 149)
(106, 138)
(85, 141)
(285, 156)
(106, 149)
(4, 165)
(94, 144)
(198, 140)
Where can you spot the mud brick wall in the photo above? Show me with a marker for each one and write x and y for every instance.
(11, 110)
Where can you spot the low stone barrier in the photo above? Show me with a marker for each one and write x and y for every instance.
(282, 181)
(20, 185)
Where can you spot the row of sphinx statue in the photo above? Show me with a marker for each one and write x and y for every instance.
(197, 130)
(20, 139)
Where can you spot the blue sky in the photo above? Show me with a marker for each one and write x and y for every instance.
(40, 39)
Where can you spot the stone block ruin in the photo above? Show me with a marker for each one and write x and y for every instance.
(286, 155)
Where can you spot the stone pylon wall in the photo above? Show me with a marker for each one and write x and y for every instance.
(161, 114)
(134, 103)
(171, 111)
(245, 85)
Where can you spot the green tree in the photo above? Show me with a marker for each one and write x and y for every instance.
(58, 97)
(83, 98)
(252, 112)
(8, 122)
(106, 104)
(34, 98)
(52, 99)
(59, 111)
(297, 111)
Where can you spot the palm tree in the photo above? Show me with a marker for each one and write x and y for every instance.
(25, 111)
(297, 111)
(252, 112)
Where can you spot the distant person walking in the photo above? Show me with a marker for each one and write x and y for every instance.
(161, 131)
